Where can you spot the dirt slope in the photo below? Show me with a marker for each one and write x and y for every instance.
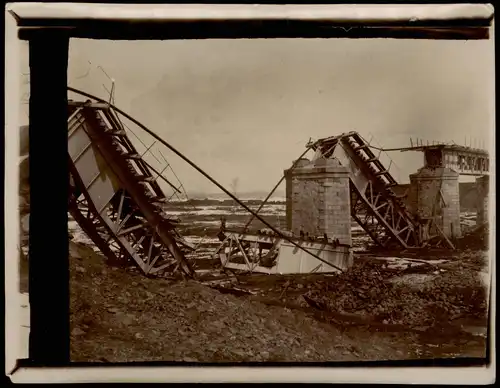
(118, 315)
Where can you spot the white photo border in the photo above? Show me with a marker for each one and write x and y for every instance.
(425, 375)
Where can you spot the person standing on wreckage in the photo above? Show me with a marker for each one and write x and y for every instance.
(222, 229)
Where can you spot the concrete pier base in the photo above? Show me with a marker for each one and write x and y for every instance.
(434, 194)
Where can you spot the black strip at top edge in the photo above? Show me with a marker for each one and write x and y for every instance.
(462, 22)
(133, 30)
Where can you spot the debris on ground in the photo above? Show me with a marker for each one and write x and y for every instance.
(435, 298)
(119, 315)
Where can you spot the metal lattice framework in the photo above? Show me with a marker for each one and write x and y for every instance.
(374, 205)
(267, 252)
(462, 159)
(114, 196)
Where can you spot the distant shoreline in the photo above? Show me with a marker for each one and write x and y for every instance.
(246, 196)
(207, 201)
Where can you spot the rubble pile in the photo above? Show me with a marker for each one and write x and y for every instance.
(119, 316)
(365, 290)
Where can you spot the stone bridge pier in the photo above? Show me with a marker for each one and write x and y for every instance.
(318, 199)
(434, 195)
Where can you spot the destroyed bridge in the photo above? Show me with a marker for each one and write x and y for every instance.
(117, 201)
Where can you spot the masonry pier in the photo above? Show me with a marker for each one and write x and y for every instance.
(435, 199)
(318, 199)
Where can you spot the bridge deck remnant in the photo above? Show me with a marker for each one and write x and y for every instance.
(462, 159)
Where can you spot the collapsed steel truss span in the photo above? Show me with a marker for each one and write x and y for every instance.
(114, 197)
(118, 203)
(374, 205)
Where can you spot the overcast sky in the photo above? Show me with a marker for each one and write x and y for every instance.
(246, 108)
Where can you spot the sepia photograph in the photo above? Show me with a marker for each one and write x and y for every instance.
(282, 200)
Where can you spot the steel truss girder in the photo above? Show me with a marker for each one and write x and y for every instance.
(378, 217)
(251, 254)
(129, 219)
(466, 162)
(80, 208)
(113, 231)
(112, 125)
